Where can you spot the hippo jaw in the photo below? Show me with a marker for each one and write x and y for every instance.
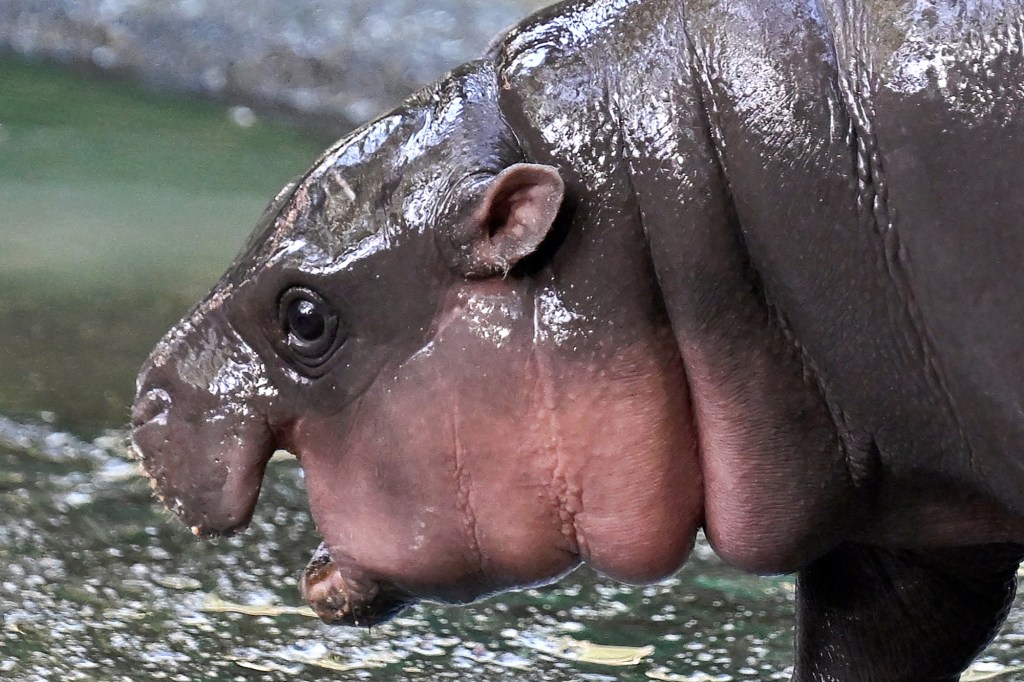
(199, 425)
(493, 461)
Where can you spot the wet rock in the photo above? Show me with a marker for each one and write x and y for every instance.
(327, 64)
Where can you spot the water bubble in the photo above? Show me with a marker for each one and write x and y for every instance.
(242, 116)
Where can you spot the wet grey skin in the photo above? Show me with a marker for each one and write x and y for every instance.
(647, 266)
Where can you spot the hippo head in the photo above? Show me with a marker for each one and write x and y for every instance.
(394, 323)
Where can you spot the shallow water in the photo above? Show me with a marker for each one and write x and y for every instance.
(100, 581)
(119, 210)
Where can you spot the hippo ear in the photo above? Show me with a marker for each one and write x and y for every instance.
(510, 220)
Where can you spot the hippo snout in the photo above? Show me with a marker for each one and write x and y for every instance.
(202, 442)
(347, 596)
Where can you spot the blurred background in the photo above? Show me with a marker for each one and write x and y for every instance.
(139, 142)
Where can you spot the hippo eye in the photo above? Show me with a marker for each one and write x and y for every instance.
(309, 327)
(305, 321)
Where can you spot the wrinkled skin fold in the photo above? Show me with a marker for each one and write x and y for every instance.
(646, 267)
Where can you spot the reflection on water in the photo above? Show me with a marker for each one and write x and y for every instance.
(118, 212)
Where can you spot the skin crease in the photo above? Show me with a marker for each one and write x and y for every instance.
(777, 484)
(577, 311)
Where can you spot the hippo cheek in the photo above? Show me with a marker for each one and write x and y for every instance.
(429, 483)
(478, 468)
(402, 505)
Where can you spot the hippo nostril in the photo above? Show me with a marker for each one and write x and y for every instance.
(150, 406)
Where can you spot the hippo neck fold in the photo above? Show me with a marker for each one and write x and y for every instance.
(655, 236)
(688, 176)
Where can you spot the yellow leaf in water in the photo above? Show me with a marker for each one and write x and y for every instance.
(665, 675)
(262, 667)
(177, 582)
(339, 666)
(600, 654)
(214, 604)
(977, 673)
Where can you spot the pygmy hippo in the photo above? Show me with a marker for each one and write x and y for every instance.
(648, 266)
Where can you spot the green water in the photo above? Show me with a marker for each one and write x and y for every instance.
(118, 209)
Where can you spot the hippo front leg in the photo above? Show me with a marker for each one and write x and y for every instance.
(879, 615)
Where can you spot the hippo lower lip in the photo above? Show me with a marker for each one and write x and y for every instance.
(340, 599)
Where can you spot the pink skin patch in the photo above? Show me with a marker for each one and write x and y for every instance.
(493, 459)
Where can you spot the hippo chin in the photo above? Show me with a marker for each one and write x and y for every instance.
(340, 598)
(647, 266)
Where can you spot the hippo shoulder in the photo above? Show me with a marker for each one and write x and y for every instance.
(562, 75)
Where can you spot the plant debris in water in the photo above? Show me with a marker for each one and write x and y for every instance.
(586, 651)
(214, 604)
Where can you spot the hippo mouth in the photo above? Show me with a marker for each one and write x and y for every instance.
(345, 599)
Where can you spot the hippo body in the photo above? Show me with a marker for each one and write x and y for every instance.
(645, 267)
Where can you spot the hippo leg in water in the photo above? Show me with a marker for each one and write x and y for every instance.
(647, 266)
